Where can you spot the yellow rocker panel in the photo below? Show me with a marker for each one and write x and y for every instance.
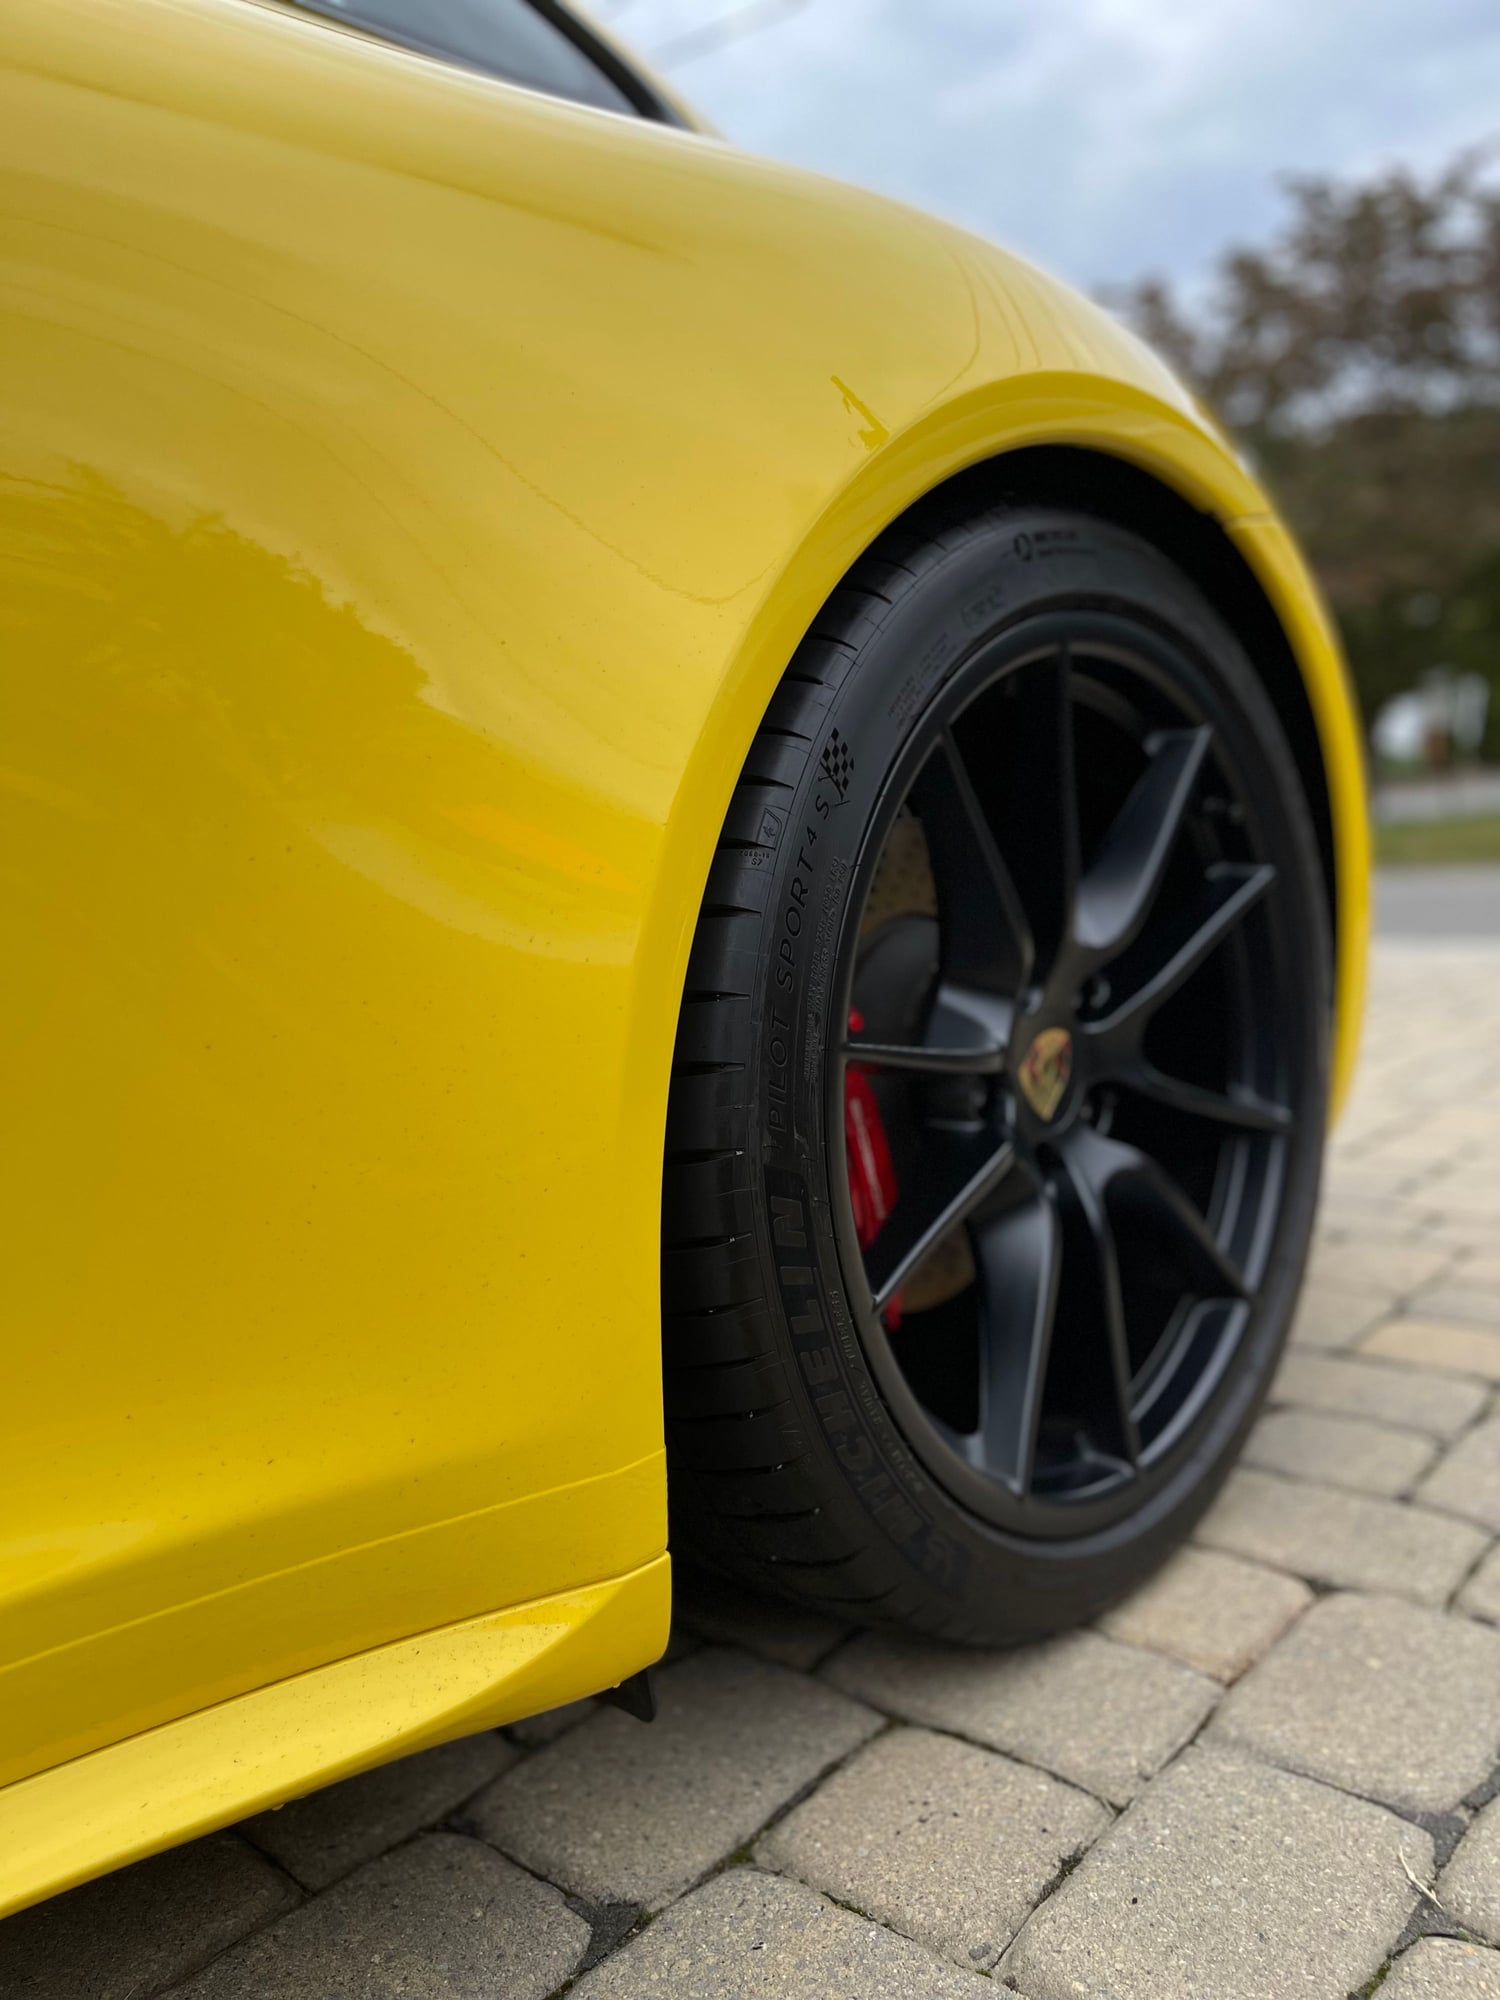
(188, 1777)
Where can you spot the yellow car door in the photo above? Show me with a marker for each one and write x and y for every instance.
(322, 850)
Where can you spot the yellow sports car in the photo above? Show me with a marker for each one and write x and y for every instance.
(616, 763)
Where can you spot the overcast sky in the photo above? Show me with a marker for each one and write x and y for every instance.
(1104, 138)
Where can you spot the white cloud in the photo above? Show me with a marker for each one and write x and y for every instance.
(1105, 138)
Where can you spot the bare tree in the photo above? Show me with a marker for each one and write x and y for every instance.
(1358, 356)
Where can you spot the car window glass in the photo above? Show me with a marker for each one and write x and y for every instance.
(505, 38)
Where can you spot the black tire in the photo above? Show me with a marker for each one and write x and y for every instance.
(817, 1447)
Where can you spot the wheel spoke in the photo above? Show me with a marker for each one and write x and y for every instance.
(1040, 808)
(1018, 1259)
(1054, 725)
(986, 938)
(1166, 1212)
(1239, 1107)
(1145, 1195)
(1120, 884)
(930, 1210)
(967, 1034)
(1166, 956)
(1083, 1165)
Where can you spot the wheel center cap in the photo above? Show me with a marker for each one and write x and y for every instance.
(1045, 1069)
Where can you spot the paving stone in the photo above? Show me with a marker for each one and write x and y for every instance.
(1399, 1268)
(1480, 1596)
(746, 1936)
(442, 1919)
(1467, 1480)
(1472, 1194)
(1334, 1316)
(1456, 1300)
(1339, 1451)
(623, 1813)
(1469, 1887)
(1461, 1235)
(1211, 1611)
(1351, 1226)
(329, 1833)
(1342, 1538)
(143, 1928)
(1435, 1404)
(946, 1843)
(1380, 1697)
(1105, 1715)
(1425, 1142)
(786, 1633)
(1227, 1880)
(1359, 1180)
(1443, 1969)
(1438, 1343)
(536, 1730)
(680, 1642)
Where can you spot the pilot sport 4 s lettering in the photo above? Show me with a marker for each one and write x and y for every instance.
(671, 839)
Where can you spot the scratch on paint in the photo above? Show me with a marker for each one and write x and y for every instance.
(876, 434)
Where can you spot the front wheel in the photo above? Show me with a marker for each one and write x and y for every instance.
(998, 1100)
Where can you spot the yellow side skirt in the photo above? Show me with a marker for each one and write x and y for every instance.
(202, 1771)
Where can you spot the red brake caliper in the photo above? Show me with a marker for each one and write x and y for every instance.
(872, 1172)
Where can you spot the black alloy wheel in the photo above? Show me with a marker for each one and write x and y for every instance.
(997, 1113)
(1037, 1096)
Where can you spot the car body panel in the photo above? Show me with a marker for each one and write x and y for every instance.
(219, 1764)
(1276, 562)
(412, 490)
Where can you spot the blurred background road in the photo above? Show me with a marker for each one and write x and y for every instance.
(1442, 903)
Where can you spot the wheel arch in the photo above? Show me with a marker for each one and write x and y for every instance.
(1097, 483)
(1248, 568)
(925, 641)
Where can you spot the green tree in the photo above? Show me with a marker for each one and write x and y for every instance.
(1358, 358)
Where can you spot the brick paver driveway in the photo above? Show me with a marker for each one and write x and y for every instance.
(1274, 1772)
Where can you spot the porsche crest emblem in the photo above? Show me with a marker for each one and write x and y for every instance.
(1045, 1069)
